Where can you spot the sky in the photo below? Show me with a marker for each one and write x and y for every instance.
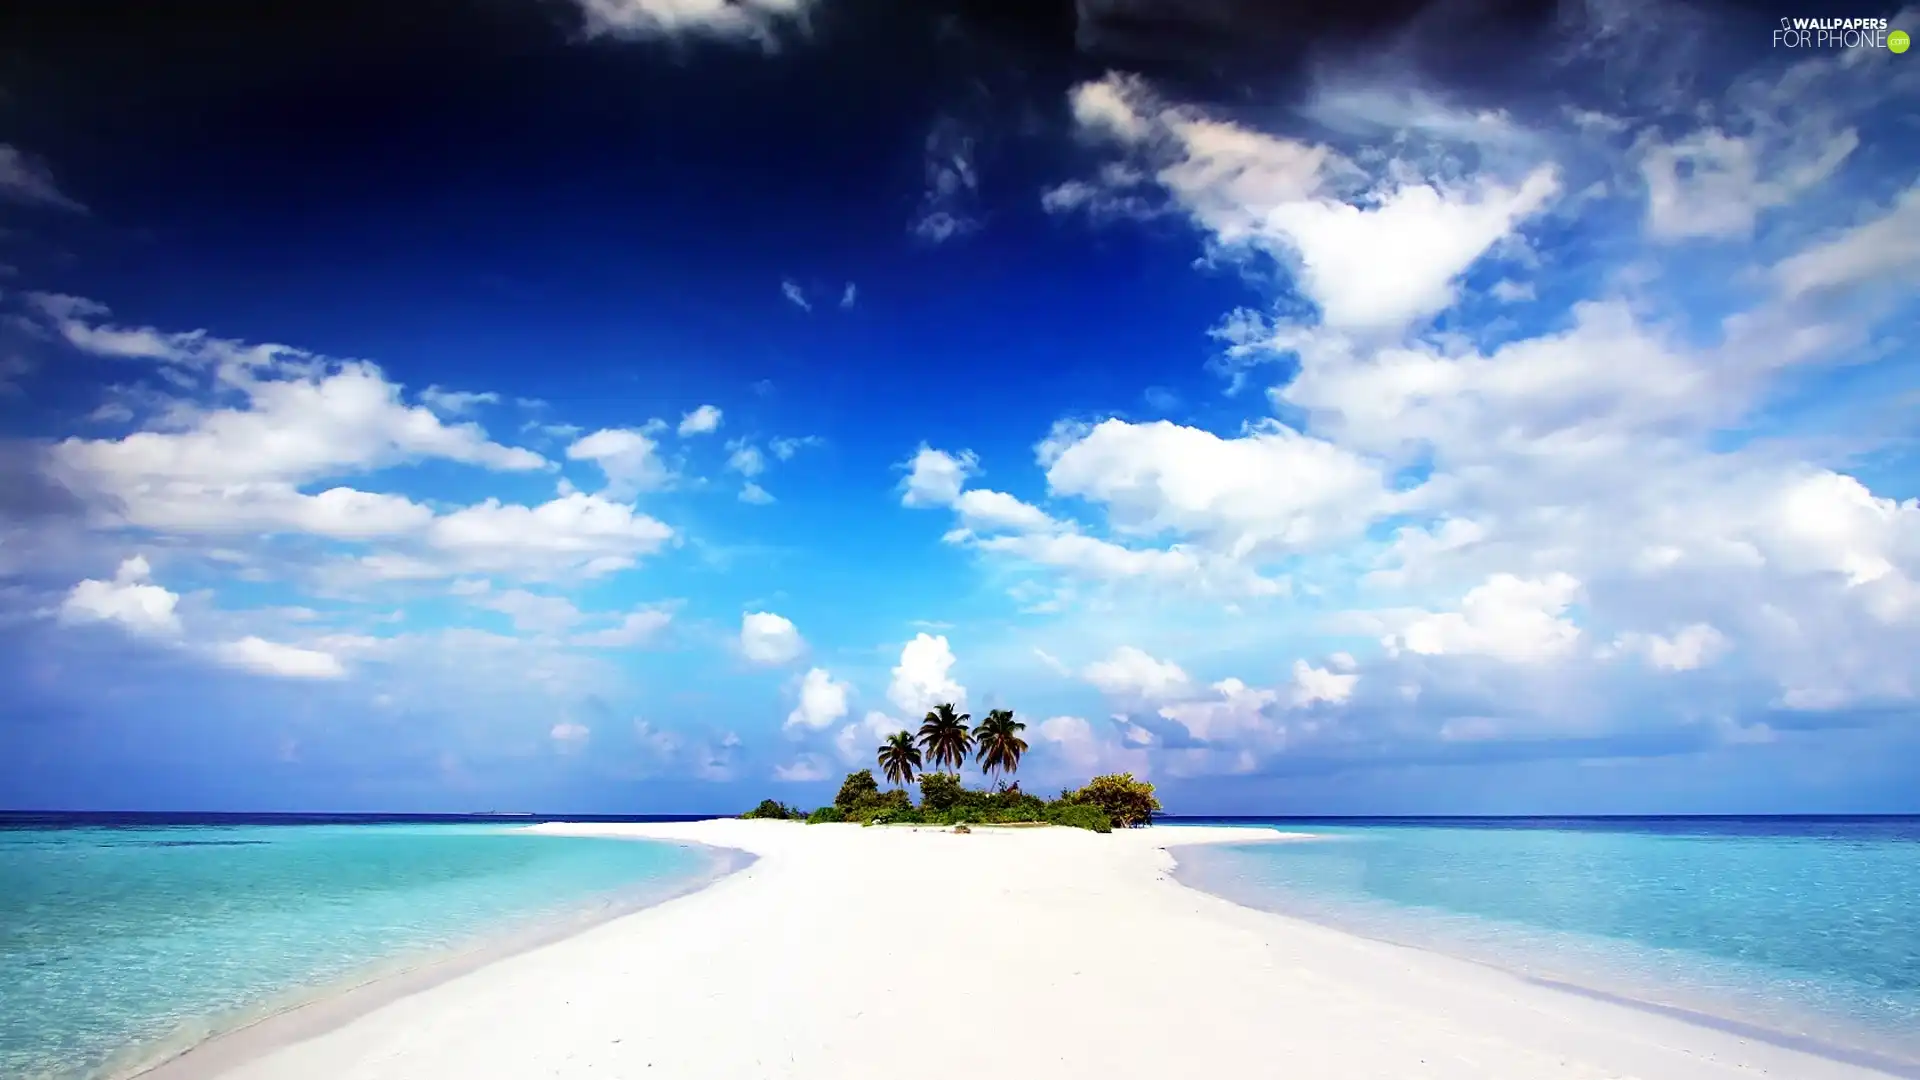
(644, 406)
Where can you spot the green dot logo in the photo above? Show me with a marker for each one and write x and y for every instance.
(1898, 41)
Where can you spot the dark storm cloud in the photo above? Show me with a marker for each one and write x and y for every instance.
(1224, 49)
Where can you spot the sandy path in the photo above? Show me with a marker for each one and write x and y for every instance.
(848, 953)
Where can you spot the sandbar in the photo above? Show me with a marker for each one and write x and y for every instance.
(843, 953)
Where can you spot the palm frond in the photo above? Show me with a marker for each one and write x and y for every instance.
(899, 758)
(998, 742)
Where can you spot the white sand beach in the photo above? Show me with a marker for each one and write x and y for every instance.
(845, 953)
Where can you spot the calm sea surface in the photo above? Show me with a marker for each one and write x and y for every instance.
(120, 942)
(1807, 928)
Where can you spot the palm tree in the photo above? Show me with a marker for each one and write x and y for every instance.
(945, 737)
(899, 758)
(999, 742)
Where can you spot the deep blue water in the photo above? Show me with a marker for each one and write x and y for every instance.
(125, 937)
(1807, 927)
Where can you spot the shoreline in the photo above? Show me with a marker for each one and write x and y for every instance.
(839, 952)
(1867, 1052)
(233, 1039)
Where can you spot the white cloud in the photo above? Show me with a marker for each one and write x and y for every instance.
(795, 295)
(1227, 177)
(1041, 540)
(766, 638)
(1298, 201)
(1559, 395)
(849, 296)
(1831, 525)
(634, 628)
(784, 447)
(264, 657)
(657, 742)
(1332, 684)
(1709, 183)
(305, 417)
(1509, 291)
(584, 534)
(1519, 620)
(1101, 560)
(753, 20)
(1107, 107)
(1884, 249)
(241, 469)
(924, 677)
(456, 402)
(702, 421)
(754, 494)
(25, 180)
(568, 735)
(989, 511)
(822, 701)
(1434, 235)
(803, 769)
(1371, 109)
(1234, 714)
(129, 599)
(531, 612)
(1268, 491)
(1132, 673)
(1610, 469)
(1690, 647)
(629, 458)
(934, 477)
(1073, 742)
(745, 458)
(1051, 662)
(856, 742)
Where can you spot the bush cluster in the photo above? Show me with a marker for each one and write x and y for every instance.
(1105, 803)
(775, 811)
(1127, 802)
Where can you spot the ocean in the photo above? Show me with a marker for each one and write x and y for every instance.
(1802, 931)
(125, 939)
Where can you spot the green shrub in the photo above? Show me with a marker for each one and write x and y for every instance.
(879, 802)
(940, 791)
(1075, 815)
(773, 811)
(892, 815)
(855, 788)
(1127, 802)
(1013, 804)
(826, 815)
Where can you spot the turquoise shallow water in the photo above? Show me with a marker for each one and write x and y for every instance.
(117, 942)
(1808, 929)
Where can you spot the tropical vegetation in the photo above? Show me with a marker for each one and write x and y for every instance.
(899, 759)
(945, 737)
(945, 742)
(774, 811)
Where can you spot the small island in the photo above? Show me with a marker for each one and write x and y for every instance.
(946, 742)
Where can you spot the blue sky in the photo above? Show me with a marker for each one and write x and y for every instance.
(630, 406)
